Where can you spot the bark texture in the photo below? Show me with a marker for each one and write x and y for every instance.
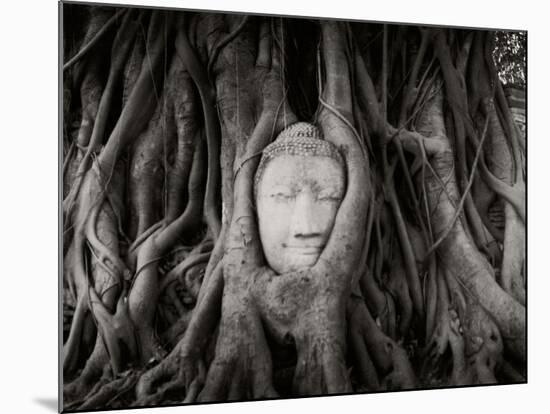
(167, 295)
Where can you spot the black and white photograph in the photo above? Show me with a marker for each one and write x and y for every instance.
(258, 206)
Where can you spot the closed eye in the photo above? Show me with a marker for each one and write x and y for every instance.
(329, 197)
(281, 196)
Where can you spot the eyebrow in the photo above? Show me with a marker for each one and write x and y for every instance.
(323, 186)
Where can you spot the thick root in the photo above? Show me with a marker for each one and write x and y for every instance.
(390, 359)
(321, 368)
(175, 377)
(242, 366)
(109, 391)
(96, 366)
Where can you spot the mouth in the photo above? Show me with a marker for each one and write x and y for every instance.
(305, 250)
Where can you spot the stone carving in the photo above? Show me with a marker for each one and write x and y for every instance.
(298, 187)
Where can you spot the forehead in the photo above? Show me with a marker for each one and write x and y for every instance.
(298, 169)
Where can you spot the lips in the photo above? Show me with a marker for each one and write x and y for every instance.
(306, 250)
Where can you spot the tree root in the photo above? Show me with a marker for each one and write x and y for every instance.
(72, 346)
(181, 366)
(82, 52)
(96, 366)
(399, 289)
(109, 391)
(173, 335)
(479, 342)
(116, 330)
(182, 268)
(186, 53)
(391, 361)
(458, 252)
(513, 255)
(242, 368)
(437, 342)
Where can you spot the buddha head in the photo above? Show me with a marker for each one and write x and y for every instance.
(299, 185)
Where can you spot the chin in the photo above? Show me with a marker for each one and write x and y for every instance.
(301, 264)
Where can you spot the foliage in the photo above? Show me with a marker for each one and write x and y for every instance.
(510, 55)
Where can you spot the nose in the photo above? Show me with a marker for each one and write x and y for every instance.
(303, 221)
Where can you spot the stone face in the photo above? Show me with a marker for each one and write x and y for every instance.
(297, 198)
